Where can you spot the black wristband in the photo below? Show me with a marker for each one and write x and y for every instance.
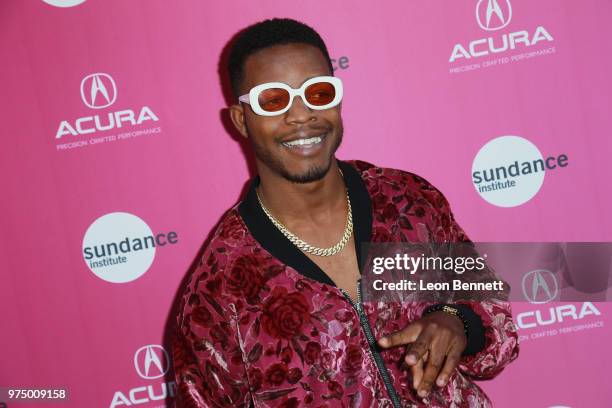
(472, 324)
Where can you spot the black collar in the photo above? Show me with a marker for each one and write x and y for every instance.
(270, 238)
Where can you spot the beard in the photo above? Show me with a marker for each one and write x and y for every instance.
(313, 173)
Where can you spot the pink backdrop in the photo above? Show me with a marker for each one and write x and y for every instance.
(179, 169)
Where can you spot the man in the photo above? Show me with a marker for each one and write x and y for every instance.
(272, 315)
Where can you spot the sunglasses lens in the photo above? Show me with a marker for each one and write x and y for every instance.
(320, 93)
(273, 99)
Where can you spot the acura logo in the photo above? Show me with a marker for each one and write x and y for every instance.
(493, 15)
(540, 286)
(151, 361)
(98, 90)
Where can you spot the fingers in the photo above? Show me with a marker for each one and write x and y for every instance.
(433, 367)
(417, 371)
(434, 353)
(419, 347)
(407, 335)
(444, 356)
(452, 360)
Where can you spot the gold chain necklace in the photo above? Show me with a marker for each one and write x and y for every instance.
(306, 247)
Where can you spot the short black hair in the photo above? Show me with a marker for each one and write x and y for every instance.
(267, 33)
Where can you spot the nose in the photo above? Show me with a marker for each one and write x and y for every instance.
(299, 112)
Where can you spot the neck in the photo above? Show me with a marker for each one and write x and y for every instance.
(317, 202)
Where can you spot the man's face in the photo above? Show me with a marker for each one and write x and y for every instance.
(291, 64)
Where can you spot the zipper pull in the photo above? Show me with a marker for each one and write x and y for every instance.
(359, 306)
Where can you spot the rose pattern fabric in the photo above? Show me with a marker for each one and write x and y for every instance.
(252, 330)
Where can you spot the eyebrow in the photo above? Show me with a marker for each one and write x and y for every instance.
(302, 83)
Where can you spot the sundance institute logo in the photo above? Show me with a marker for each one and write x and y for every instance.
(120, 247)
(509, 170)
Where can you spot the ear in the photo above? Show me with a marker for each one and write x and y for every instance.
(238, 119)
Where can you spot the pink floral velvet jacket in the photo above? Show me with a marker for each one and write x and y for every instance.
(262, 325)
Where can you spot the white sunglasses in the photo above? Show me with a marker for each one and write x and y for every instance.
(276, 98)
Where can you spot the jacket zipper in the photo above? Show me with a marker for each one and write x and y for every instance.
(374, 354)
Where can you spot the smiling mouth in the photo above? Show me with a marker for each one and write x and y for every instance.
(306, 142)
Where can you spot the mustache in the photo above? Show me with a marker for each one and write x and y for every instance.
(308, 129)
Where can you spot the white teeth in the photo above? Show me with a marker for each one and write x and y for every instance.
(302, 142)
